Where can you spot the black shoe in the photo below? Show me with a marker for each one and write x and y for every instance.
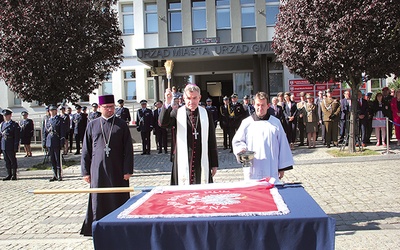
(231, 151)
(142, 153)
(165, 152)
(224, 148)
(160, 152)
(301, 144)
(77, 153)
(60, 179)
(8, 177)
(53, 179)
(14, 178)
(328, 146)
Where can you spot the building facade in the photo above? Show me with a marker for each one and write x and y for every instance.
(224, 46)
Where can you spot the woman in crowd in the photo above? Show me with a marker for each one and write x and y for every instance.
(395, 104)
(27, 128)
(380, 109)
(311, 115)
(290, 114)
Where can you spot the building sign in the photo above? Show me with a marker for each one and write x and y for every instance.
(206, 50)
(206, 40)
(302, 85)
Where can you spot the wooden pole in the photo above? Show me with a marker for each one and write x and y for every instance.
(83, 190)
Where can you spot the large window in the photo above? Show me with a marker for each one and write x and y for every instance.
(130, 85)
(199, 15)
(175, 17)
(248, 16)
(271, 11)
(242, 84)
(17, 100)
(223, 11)
(151, 18)
(127, 18)
(275, 78)
(107, 86)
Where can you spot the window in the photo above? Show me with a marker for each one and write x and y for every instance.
(127, 18)
(199, 15)
(175, 17)
(275, 82)
(223, 12)
(248, 16)
(242, 84)
(271, 11)
(151, 18)
(130, 85)
(17, 100)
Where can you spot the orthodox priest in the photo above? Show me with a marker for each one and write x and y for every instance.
(195, 156)
(107, 161)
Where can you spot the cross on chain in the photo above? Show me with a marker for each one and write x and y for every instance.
(195, 133)
(107, 150)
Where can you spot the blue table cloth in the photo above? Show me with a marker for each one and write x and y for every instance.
(305, 227)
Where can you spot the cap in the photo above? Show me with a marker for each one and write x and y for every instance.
(369, 94)
(208, 100)
(246, 97)
(234, 95)
(62, 107)
(52, 107)
(24, 113)
(103, 99)
(77, 106)
(84, 107)
(119, 101)
(95, 105)
(225, 98)
(143, 102)
(6, 112)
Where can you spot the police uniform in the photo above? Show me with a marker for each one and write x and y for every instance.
(213, 110)
(95, 114)
(10, 134)
(122, 112)
(54, 136)
(331, 110)
(249, 108)
(224, 123)
(236, 115)
(27, 128)
(144, 123)
(79, 121)
(66, 123)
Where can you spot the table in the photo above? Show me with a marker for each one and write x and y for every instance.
(305, 227)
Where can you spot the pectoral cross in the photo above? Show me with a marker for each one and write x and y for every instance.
(195, 133)
(107, 150)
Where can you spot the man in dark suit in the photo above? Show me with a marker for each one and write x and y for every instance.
(224, 122)
(122, 112)
(9, 136)
(236, 115)
(290, 114)
(362, 112)
(54, 139)
(345, 109)
(160, 133)
(321, 125)
(144, 123)
(276, 110)
(79, 123)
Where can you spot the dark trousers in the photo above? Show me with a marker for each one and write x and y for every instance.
(54, 154)
(10, 159)
(161, 139)
(145, 141)
(362, 127)
(231, 134)
(302, 129)
(342, 125)
(226, 137)
(78, 143)
(291, 132)
(71, 140)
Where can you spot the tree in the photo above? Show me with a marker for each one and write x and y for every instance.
(339, 40)
(55, 50)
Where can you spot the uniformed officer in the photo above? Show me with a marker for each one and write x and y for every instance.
(54, 136)
(248, 106)
(236, 115)
(27, 128)
(144, 123)
(1, 120)
(122, 112)
(79, 123)
(213, 110)
(331, 111)
(10, 134)
(66, 122)
(94, 114)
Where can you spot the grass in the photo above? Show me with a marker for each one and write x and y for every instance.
(346, 153)
(47, 166)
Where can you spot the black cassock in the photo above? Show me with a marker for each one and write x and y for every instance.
(167, 119)
(106, 171)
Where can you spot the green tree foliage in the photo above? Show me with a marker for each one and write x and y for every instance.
(55, 50)
(339, 40)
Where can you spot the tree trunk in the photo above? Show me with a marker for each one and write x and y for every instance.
(355, 83)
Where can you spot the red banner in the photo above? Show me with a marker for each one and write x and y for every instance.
(245, 200)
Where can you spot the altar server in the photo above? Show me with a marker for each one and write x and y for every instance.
(264, 134)
(195, 156)
(107, 161)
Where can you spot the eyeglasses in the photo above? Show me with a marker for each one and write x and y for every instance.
(108, 106)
